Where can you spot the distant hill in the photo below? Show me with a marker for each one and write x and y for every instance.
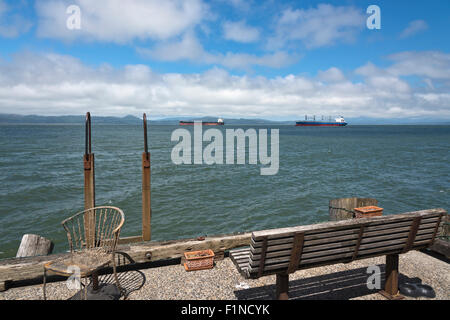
(240, 121)
(35, 119)
(132, 120)
(129, 119)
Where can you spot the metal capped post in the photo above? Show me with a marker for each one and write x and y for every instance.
(146, 192)
(89, 183)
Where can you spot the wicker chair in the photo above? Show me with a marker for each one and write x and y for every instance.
(93, 235)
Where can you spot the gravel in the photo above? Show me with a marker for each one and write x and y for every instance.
(223, 282)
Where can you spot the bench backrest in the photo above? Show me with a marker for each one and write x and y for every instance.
(287, 249)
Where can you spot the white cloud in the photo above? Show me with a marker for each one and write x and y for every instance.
(190, 49)
(431, 64)
(240, 32)
(318, 27)
(413, 28)
(331, 75)
(118, 21)
(56, 84)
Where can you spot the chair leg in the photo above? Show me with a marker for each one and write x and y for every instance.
(282, 292)
(85, 287)
(116, 278)
(44, 283)
(94, 281)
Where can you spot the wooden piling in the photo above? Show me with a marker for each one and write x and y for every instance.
(341, 209)
(146, 189)
(34, 245)
(146, 197)
(89, 186)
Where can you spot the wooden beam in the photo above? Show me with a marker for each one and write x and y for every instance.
(146, 189)
(89, 186)
(31, 268)
(146, 197)
(128, 240)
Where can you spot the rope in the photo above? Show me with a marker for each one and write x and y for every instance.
(350, 211)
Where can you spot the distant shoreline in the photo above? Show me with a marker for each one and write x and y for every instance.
(11, 119)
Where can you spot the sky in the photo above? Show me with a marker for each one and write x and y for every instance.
(269, 59)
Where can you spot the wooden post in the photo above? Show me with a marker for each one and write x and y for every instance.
(282, 285)
(146, 189)
(146, 208)
(341, 209)
(89, 186)
(391, 278)
(34, 245)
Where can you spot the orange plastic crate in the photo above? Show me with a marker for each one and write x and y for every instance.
(369, 211)
(199, 260)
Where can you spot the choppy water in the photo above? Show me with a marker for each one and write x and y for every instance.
(41, 179)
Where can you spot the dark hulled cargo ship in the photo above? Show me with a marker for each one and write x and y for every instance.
(219, 122)
(339, 122)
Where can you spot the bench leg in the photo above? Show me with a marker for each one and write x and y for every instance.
(282, 292)
(391, 278)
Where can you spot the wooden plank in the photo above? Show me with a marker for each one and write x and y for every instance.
(327, 260)
(413, 232)
(286, 243)
(296, 252)
(437, 229)
(284, 256)
(22, 269)
(89, 199)
(284, 250)
(330, 226)
(128, 240)
(146, 197)
(358, 243)
(262, 258)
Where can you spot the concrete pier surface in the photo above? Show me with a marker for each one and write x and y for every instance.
(223, 282)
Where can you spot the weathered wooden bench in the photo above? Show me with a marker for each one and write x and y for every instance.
(283, 251)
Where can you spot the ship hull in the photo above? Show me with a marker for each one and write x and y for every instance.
(190, 123)
(319, 124)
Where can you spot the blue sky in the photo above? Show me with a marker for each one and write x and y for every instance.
(270, 59)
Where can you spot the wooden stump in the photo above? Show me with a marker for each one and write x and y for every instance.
(340, 209)
(34, 245)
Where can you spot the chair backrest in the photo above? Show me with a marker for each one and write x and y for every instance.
(287, 249)
(95, 227)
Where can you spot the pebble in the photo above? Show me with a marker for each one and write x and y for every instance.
(223, 282)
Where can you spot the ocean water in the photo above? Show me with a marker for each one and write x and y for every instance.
(405, 168)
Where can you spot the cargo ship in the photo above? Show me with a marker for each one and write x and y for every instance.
(339, 122)
(219, 122)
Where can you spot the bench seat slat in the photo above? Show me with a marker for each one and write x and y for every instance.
(284, 255)
(332, 243)
(346, 234)
(327, 260)
(353, 223)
